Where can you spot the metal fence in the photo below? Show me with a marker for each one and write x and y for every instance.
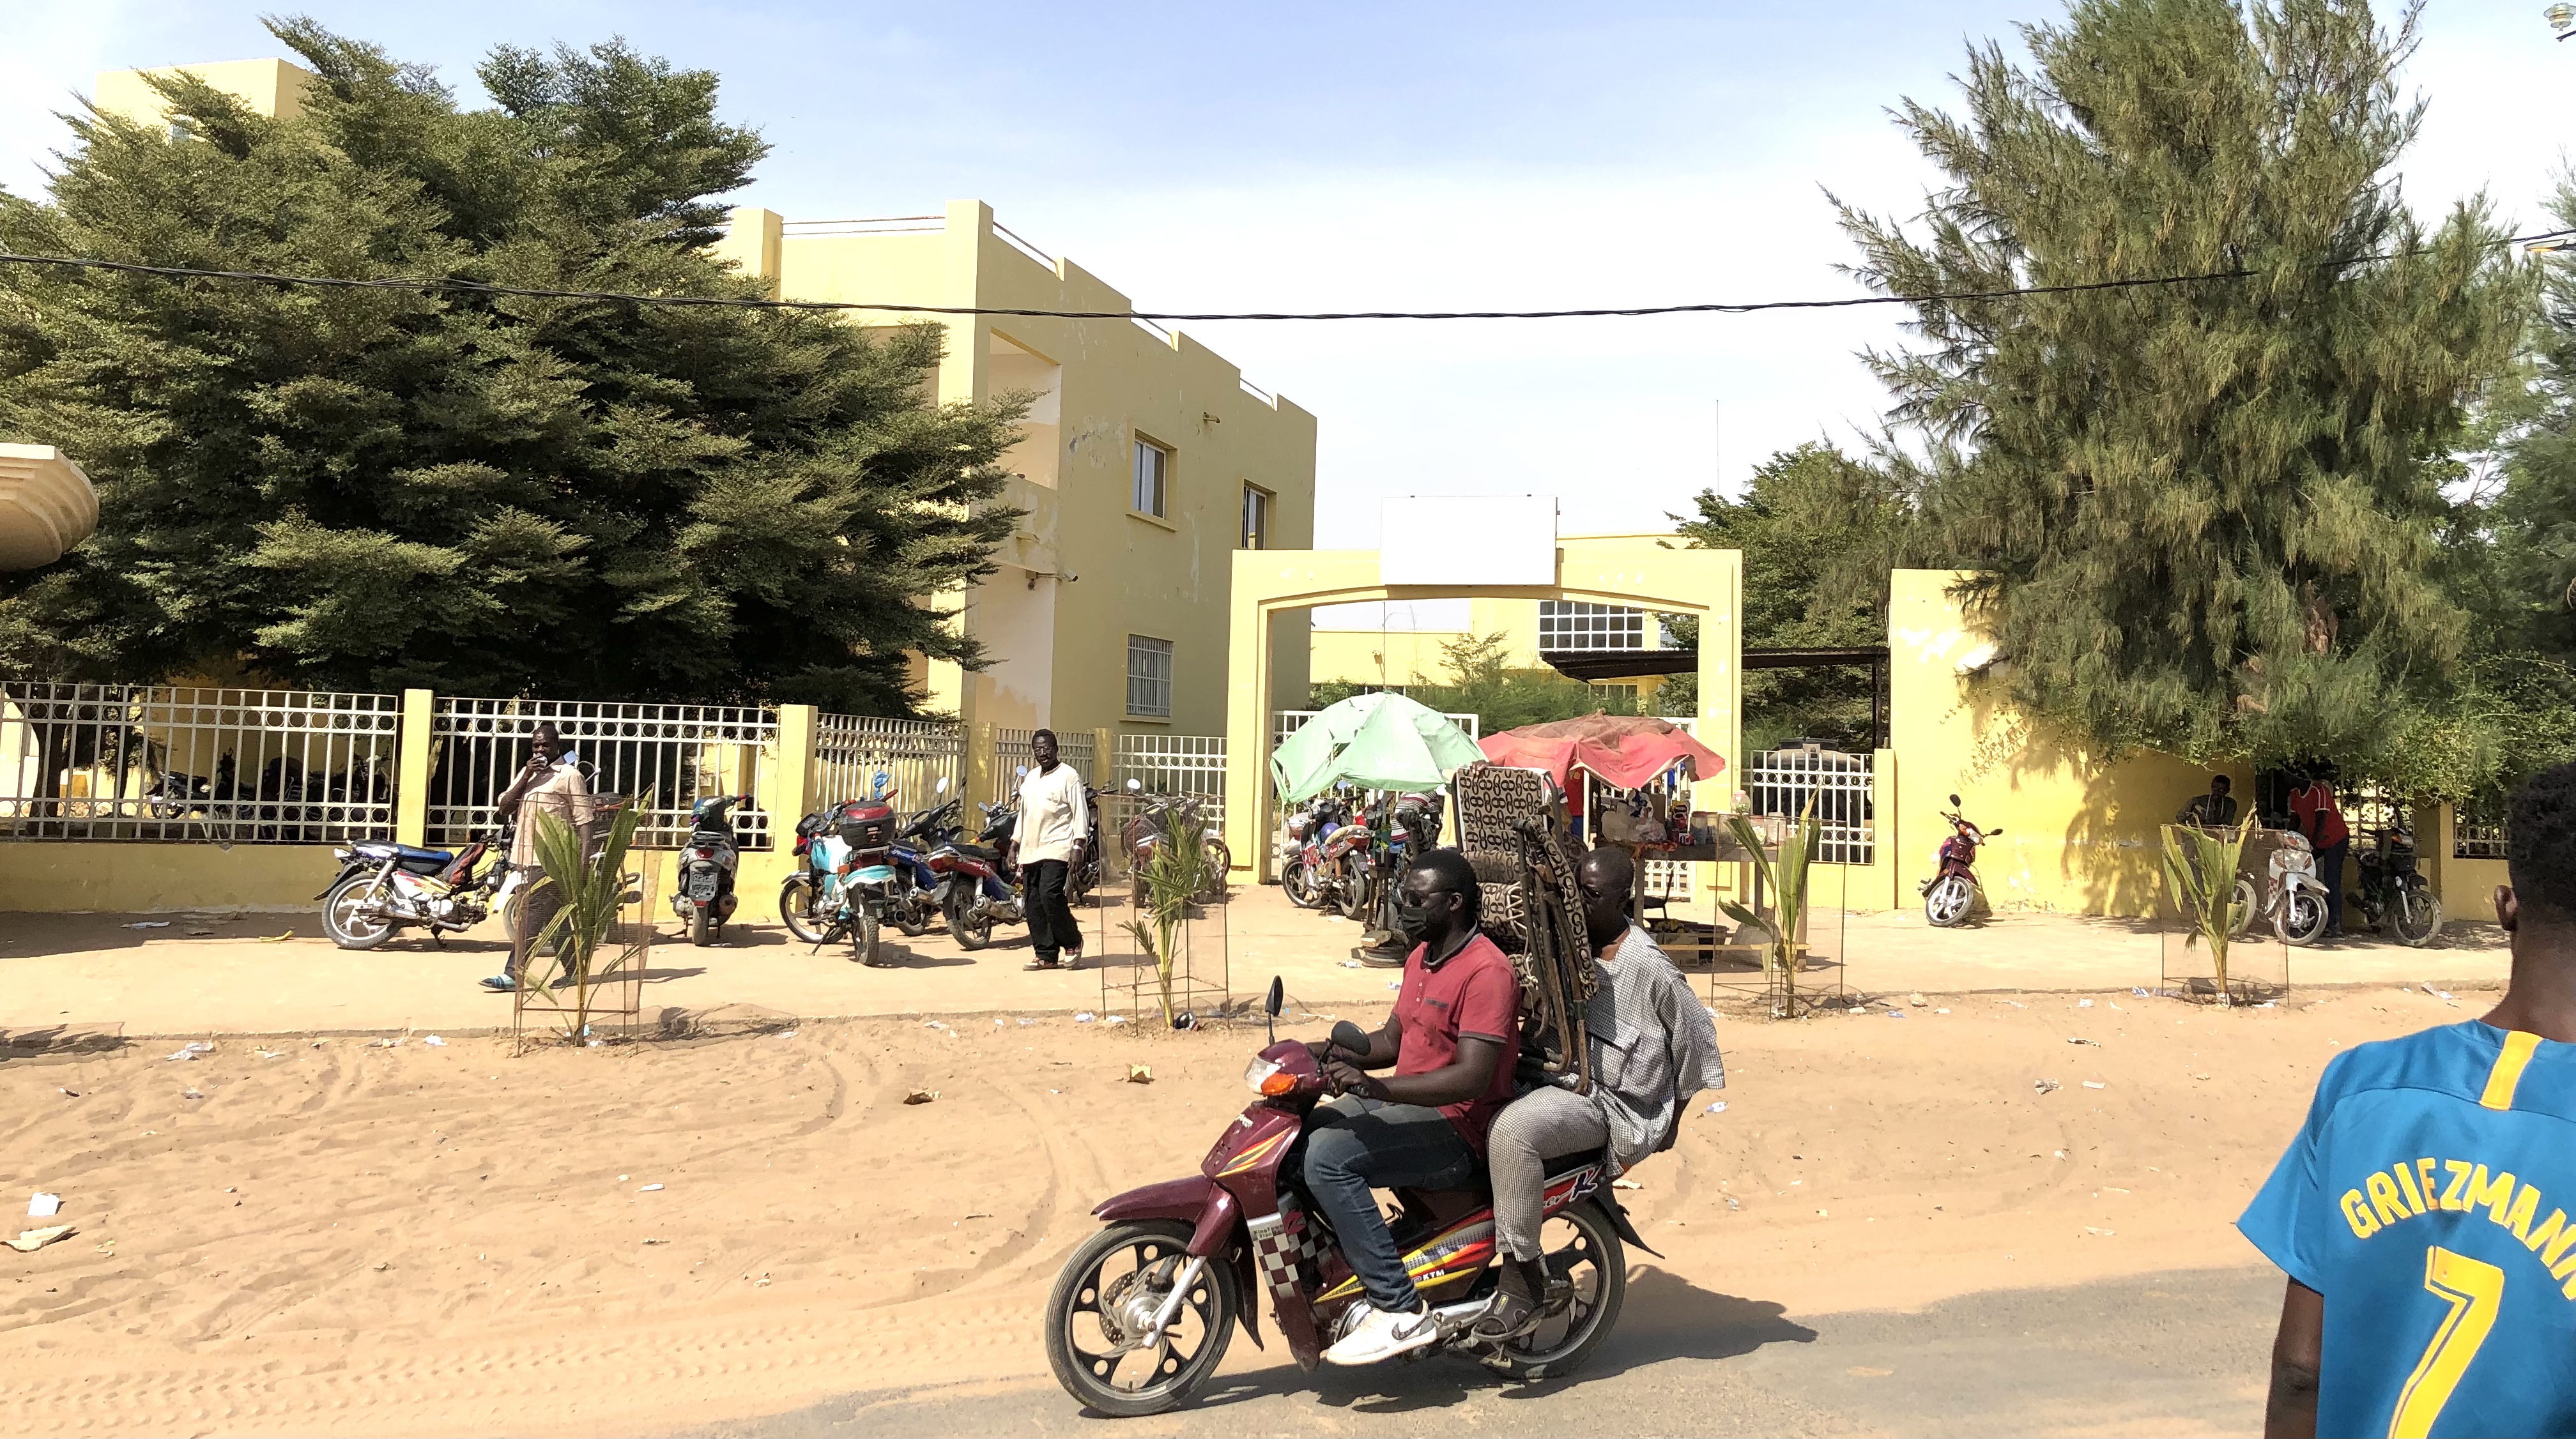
(1014, 749)
(195, 765)
(1284, 723)
(1190, 764)
(2475, 836)
(850, 751)
(1785, 781)
(663, 758)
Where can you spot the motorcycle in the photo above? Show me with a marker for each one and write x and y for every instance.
(918, 902)
(1142, 1312)
(383, 886)
(2294, 901)
(2393, 894)
(978, 886)
(1339, 865)
(703, 894)
(1300, 871)
(1083, 878)
(1951, 893)
(1144, 833)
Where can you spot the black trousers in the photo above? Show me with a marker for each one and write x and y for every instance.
(1051, 926)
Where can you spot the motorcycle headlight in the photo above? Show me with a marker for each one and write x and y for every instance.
(1258, 1077)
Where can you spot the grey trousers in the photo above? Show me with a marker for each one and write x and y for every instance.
(1531, 1130)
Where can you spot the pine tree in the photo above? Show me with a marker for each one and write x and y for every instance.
(378, 488)
(2536, 516)
(2204, 514)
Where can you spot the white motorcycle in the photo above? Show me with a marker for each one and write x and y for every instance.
(383, 887)
(2295, 902)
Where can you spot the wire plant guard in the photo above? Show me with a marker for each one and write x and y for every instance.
(1786, 877)
(602, 909)
(2201, 865)
(1511, 823)
(1182, 876)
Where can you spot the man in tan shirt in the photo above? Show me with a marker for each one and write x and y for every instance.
(546, 785)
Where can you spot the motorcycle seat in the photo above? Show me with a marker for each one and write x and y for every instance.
(977, 851)
(386, 849)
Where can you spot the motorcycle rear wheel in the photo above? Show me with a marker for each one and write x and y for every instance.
(907, 919)
(1354, 896)
(342, 919)
(702, 926)
(1298, 883)
(1220, 863)
(2248, 900)
(863, 936)
(970, 935)
(1583, 1249)
(1947, 903)
(796, 909)
(1080, 1348)
(2415, 916)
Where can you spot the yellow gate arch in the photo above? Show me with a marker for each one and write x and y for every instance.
(1609, 569)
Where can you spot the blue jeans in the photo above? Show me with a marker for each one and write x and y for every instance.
(1354, 1144)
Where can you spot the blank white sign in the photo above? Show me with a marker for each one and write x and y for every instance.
(1468, 540)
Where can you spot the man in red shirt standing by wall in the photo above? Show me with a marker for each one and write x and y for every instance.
(2313, 808)
(1452, 1039)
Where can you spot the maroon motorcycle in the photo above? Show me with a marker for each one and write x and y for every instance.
(1142, 1313)
(1950, 895)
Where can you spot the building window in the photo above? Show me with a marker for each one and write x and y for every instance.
(1624, 694)
(1568, 625)
(1149, 677)
(1256, 518)
(1153, 476)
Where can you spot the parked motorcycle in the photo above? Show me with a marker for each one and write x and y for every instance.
(2294, 902)
(1950, 895)
(1338, 867)
(703, 896)
(919, 902)
(1144, 834)
(858, 873)
(2393, 894)
(1143, 1311)
(1304, 830)
(979, 886)
(383, 887)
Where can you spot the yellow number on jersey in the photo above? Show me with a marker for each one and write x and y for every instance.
(2475, 1290)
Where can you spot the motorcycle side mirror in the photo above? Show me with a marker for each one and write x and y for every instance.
(1135, 786)
(1350, 1037)
(1021, 773)
(942, 786)
(1954, 801)
(1276, 1001)
(1990, 834)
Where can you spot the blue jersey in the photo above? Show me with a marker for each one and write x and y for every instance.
(2428, 1199)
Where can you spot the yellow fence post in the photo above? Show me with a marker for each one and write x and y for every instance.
(783, 784)
(412, 770)
(981, 767)
(1104, 759)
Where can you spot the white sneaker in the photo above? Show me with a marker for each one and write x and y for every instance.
(1385, 1333)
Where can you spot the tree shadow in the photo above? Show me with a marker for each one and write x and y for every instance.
(664, 976)
(1665, 1317)
(52, 1041)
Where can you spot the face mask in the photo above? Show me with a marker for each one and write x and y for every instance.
(1420, 922)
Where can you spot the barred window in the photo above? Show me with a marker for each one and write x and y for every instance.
(1149, 677)
(1572, 625)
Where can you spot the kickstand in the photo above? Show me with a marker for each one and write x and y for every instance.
(437, 940)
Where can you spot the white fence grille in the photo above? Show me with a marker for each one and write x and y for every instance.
(1190, 764)
(1014, 749)
(175, 764)
(664, 758)
(1284, 723)
(2474, 836)
(850, 751)
(1783, 781)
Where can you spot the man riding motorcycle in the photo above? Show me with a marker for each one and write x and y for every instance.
(1452, 1039)
(1653, 1047)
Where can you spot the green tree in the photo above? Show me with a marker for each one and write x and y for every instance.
(375, 488)
(1819, 532)
(2205, 514)
(1482, 682)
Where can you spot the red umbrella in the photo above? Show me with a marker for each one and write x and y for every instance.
(1625, 751)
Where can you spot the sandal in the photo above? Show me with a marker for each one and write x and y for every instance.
(1044, 964)
(1514, 1311)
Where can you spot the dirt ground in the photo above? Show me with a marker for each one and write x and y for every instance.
(310, 1234)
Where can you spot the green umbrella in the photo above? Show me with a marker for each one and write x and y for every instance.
(1379, 741)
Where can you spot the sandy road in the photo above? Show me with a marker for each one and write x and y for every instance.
(286, 1236)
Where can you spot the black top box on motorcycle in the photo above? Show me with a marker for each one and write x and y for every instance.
(867, 825)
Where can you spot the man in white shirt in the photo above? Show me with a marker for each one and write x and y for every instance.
(1055, 819)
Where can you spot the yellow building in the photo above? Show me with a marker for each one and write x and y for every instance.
(1148, 459)
(274, 88)
(1532, 630)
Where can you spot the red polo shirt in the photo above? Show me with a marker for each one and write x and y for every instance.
(1471, 992)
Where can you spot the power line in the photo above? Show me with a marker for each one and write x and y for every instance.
(441, 285)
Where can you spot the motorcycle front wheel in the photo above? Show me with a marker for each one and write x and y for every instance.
(1102, 1300)
(907, 918)
(1584, 1253)
(345, 919)
(1298, 883)
(1947, 902)
(2415, 915)
(798, 909)
(2302, 917)
(1355, 896)
(863, 936)
(2247, 901)
(969, 934)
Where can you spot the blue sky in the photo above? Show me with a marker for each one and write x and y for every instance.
(1346, 156)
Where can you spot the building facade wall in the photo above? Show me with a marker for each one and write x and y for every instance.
(1085, 571)
(274, 88)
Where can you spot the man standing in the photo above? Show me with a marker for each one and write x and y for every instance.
(2313, 809)
(2214, 810)
(1452, 1039)
(1651, 1048)
(547, 784)
(1055, 819)
(2427, 1293)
